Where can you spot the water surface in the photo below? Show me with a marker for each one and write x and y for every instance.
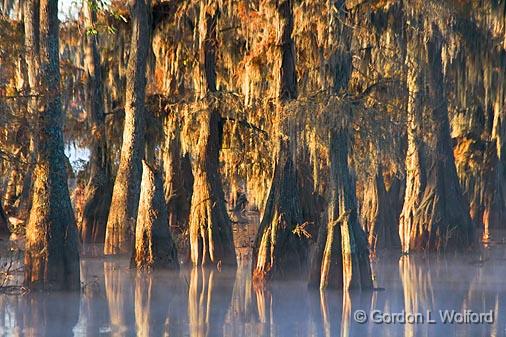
(118, 301)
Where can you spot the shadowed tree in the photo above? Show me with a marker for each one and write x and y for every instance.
(211, 241)
(98, 191)
(4, 228)
(341, 259)
(435, 214)
(154, 247)
(125, 197)
(279, 252)
(51, 252)
(178, 184)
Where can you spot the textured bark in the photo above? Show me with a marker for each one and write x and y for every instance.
(280, 251)
(382, 204)
(178, 185)
(32, 48)
(434, 214)
(211, 240)
(341, 258)
(125, 198)
(154, 247)
(98, 191)
(51, 253)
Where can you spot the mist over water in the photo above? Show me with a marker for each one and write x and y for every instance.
(119, 301)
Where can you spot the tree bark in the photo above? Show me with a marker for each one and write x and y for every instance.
(382, 204)
(211, 240)
(125, 198)
(178, 185)
(434, 215)
(154, 247)
(98, 192)
(341, 257)
(279, 252)
(51, 253)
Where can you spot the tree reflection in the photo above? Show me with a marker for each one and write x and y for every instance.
(209, 298)
(119, 293)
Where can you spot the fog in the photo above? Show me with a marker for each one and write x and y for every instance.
(119, 301)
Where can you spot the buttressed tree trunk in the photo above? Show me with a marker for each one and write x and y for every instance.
(154, 247)
(178, 180)
(211, 240)
(51, 253)
(279, 252)
(435, 214)
(125, 197)
(341, 259)
(98, 191)
(381, 208)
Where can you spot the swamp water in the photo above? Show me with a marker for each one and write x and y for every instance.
(414, 291)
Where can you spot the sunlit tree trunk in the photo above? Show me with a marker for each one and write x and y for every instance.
(341, 260)
(435, 214)
(154, 247)
(211, 240)
(278, 251)
(125, 198)
(51, 252)
(98, 191)
(32, 48)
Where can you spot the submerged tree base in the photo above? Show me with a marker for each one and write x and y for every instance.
(341, 257)
(280, 250)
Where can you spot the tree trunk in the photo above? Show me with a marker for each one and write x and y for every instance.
(154, 247)
(382, 204)
(178, 185)
(4, 225)
(435, 214)
(280, 249)
(341, 257)
(51, 253)
(279, 252)
(211, 240)
(125, 198)
(98, 191)
(11, 194)
(32, 47)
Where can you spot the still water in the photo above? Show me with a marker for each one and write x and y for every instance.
(118, 301)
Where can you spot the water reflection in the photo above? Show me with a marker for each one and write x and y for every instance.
(118, 301)
(41, 315)
(94, 311)
(209, 297)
